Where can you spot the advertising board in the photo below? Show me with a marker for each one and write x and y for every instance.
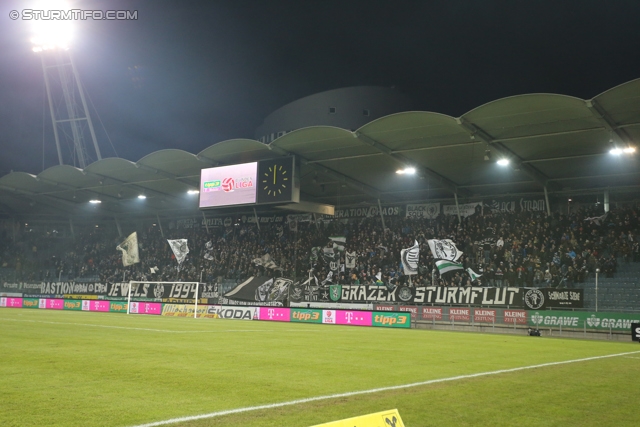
(275, 314)
(228, 185)
(146, 308)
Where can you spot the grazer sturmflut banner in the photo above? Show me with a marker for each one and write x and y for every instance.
(474, 296)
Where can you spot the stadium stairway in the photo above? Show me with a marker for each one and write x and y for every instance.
(621, 292)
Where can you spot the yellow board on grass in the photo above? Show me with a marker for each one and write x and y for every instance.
(390, 418)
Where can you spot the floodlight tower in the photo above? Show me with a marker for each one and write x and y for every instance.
(67, 103)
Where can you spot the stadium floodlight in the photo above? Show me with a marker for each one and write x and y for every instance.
(51, 33)
(142, 196)
(408, 171)
(629, 150)
(95, 201)
(191, 192)
(615, 151)
(503, 162)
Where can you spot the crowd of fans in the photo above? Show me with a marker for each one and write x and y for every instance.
(506, 249)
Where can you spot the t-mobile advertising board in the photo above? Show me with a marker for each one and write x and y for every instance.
(11, 302)
(51, 304)
(96, 305)
(355, 318)
(275, 314)
(146, 308)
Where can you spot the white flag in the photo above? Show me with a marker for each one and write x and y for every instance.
(339, 239)
(350, 259)
(444, 249)
(447, 266)
(129, 249)
(409, 258)
(179, 248)
(474, 276)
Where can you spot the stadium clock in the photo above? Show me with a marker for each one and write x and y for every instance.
(275, 180)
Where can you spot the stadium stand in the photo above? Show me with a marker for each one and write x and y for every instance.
(508, 249)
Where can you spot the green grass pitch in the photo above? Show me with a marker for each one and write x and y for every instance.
(89, 369)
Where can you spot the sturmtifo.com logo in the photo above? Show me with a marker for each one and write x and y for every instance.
(593, 321)
(537, 318)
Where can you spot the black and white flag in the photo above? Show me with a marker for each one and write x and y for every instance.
(351, 259)
(444, 249)
(179, 248)
(129, 249)
(409, 258)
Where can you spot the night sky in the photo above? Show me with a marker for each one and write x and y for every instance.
(190, 74)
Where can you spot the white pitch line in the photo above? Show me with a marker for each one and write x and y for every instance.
(373, 390)
(131, 328)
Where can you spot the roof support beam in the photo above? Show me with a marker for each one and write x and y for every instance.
(54, 202)
(355, 184)
(447, 183)
(478, 133)
(167, 174)
(608, 122)
(135, 186)
(79, 189)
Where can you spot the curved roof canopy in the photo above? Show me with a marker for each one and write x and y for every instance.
(551, 140)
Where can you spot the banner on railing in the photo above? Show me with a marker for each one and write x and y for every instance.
(474, 296)
(540, 299)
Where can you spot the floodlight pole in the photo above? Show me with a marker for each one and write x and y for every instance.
(63, 71)
(51, 110)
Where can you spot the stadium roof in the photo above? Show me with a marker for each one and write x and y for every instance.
(556, 141)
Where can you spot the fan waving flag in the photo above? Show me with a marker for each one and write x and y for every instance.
(179, 248)
(474, 276)
(444, 249)
(129, 249)
(447, 266)
(409, 258)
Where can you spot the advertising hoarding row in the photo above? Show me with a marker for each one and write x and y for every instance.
(384, 315)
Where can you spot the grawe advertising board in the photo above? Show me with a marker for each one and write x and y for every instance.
(275, 314)
(146, 308)
(228, 185)
(579, 320)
